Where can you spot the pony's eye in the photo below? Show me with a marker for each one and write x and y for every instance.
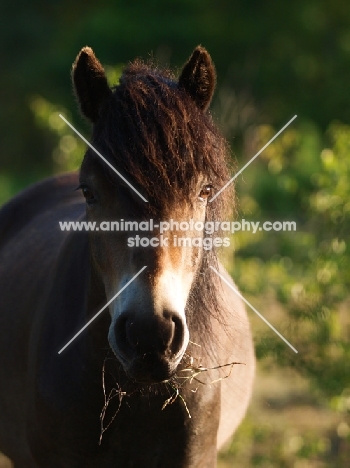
(205, 192)
(88, 195)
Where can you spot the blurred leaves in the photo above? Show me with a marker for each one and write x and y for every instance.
(303, 274)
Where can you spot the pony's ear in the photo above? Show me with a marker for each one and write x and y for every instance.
(198, 77)
(90, 83)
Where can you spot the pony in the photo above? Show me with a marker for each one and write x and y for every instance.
(164, 376)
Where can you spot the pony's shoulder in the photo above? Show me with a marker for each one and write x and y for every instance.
(42, 196)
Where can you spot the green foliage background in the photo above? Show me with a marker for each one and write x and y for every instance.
(274, 60)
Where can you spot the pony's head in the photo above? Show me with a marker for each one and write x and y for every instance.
(156, 131)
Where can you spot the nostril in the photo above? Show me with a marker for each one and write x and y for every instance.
(120, 328)
(178, 334)
(122, 335)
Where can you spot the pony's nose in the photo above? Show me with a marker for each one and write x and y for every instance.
(136, 335)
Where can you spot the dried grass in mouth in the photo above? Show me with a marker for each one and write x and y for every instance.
(191, 369)
(113, 393)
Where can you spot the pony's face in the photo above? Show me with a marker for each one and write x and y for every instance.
(139, 128)
(148, 332)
